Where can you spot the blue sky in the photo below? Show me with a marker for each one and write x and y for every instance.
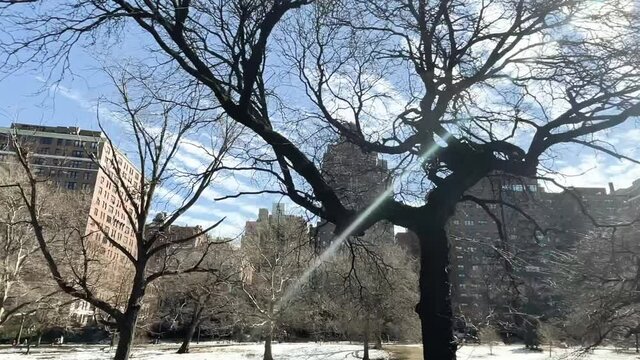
(25, 97)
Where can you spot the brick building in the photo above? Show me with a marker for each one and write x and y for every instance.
(494, 275)
(82, 160)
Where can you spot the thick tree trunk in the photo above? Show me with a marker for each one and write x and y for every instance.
(191, 329)
(435, 310)
(365, 356)
(267, 344)
(127, 331)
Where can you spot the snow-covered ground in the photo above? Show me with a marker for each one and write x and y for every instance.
(290, 351)
(303, 351)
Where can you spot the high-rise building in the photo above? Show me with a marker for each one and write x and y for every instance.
(268, 233)
(514, 272)
(83, 161)
(358, 179)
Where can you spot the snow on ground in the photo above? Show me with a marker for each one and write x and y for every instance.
(285, 351)
(297, 351)
(518, 352)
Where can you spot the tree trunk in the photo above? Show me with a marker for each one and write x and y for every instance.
(191, 329)
(378, 344)
(127, 331)
(365, 356)
(19, 335)
(39, 337)
(435, 311)
(267, 344)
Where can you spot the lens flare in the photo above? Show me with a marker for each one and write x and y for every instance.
(338, 240)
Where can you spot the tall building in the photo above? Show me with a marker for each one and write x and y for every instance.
(358, 179)
(268, 234)
(490, 273)
(83, 161)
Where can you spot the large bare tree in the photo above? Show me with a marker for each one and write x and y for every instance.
(161, 120)
(478, 86)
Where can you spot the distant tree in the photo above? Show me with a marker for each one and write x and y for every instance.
(274, 255)
(371, 283)
(549, 333)
(202, 300)
(25, 284)
(488, 335)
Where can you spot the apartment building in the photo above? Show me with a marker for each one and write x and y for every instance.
(493, 275)
(81, 160)
(358, 179)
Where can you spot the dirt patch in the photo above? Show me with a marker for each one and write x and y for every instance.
(399, 352)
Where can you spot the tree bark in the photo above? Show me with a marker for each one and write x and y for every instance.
(191, 329)
(365, 356)
(378, 344)
(435, 309)
(267, 344)
(19, 335)
(127, 330)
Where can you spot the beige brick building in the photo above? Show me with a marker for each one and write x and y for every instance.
(82, 160)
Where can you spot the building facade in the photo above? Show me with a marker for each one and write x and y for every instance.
(82, 161)
(358, 179)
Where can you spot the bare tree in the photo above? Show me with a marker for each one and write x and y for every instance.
(160, 124)
(24, 285)
(204, 300)
(275, 254)
(481, 88)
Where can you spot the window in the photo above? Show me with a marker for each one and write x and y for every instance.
(75, 164)
(533, 188)
(71, 185)
(85, 186)
(77, 153)
(468, 222)
(456, 222)
(60, 142)
(76, 143)
(72, 174)
(87, 176)
(46, 140)
(44, 151)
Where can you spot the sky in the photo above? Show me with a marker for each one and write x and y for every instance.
(27, 97)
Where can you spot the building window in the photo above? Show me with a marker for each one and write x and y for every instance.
(75, 164)
(71, 185)
(72, 174)
(87, 176)
(46, 140)
(456, 222)
(76, 143)
(468, 222)
(77, 153)
(85, 186)
(60, 142)
(44, 151)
